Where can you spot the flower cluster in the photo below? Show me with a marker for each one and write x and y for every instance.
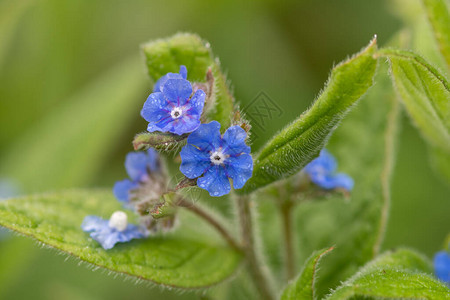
(139, 166)
(442, 266)
(144, 188)
(209, 160)
(322, 171)
(208, 156)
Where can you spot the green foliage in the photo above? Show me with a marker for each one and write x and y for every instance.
(297, 144)
(400, 274)
(438, 12)
(68, 147)
(303, 287)
(10, 14)
(166, 55)
(192, 257)
(364, 147)
(425, 93)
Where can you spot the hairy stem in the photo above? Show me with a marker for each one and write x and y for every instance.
(255, 266)
(286, 218)
(389, 157)
(205, 215)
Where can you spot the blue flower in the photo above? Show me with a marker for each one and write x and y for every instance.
(442, 266)
(112, 231)
(322, 171)
(181, 75)
(170, 108)
(138, 165)
(217, 158)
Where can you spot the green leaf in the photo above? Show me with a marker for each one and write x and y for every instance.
(425, 93)
(438, 13)
(68, 147)
(297, 144)
(401, 275)
(166, 55)
(194, 256)
(303, 287)
(364, 146)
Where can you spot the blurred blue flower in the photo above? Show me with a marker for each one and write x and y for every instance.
(170, 108)
(138, 165)
(442, 266)
(112, 231)
(217, 158)
(181, 75)
(322, 171)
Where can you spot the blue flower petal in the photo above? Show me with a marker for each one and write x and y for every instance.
(234, 141)
(136, 166)
(177, 91)
(325, 163)
(152, 159)
(215, 181)
(240, 169)
(183, 72)
(182, 75)
(194, 162)
(343, 181)
(195, 105)
(442, 266)
(155, 108)
(100, 231)
(165, 124)
(206, 137)
(185, 124)
(93, 223)
(122, 189)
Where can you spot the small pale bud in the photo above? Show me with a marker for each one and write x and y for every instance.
(118, 221)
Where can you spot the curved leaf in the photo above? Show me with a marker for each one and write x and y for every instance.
(303, 287)
(425, 93)
(297, 144)
(166, 55)
(400, 274)
(364, 146)
(439, 16)
(194, 256)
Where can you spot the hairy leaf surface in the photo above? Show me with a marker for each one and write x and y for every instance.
(194, 256)
(402, 274)
(297, 144)
(303, 287)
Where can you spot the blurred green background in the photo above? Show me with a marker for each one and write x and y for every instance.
(73, 83)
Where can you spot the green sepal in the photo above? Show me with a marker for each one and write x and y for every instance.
(165, 208)
(159, 141)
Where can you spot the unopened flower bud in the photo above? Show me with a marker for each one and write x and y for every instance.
(118, 221)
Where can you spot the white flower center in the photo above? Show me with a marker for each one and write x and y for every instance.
(118, 221)
(217, 157)
(176, 112)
